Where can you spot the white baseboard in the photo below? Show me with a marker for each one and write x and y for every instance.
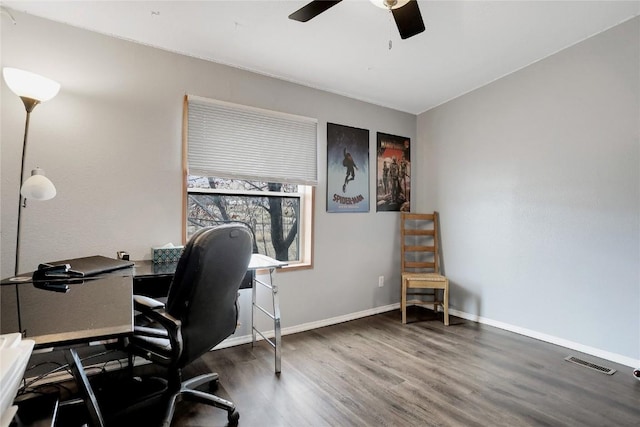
(614, 357)
(245, 339)
(607, 355)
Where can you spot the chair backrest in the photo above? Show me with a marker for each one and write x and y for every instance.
(214, 222)
(205, 287)
(247, 282)
(419, 243)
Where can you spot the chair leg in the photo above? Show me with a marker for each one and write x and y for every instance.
(187, 392)
(403, 301)
(171, 407)
(446, 305)
(196, 382)
(208, 399)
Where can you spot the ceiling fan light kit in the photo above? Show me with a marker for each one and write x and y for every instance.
(406, 13)
(389, 4)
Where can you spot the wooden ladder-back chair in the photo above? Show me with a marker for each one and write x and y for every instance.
(421, 264)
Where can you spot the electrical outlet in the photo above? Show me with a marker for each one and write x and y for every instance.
(380, 281)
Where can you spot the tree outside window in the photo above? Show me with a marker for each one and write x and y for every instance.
(272, 210)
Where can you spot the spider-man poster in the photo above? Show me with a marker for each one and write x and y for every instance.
(394, 173)
(347, 169)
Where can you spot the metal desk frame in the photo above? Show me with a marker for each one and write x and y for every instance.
(262, 262)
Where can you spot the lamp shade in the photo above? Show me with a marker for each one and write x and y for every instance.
(38, 186)
(389, 4)
(30, 85)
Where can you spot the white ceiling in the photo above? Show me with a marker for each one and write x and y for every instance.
(345, 50)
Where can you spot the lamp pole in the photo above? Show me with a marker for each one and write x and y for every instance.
(29, 105)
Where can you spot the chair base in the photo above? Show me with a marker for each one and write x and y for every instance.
(188, 392)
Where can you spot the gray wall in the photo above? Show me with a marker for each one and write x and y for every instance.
(111, 143)
(536, 179)
(535, 176)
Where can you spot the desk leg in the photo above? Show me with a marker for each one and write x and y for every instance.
(276, 343)
(82, 381)
(253, 309)
(276, 323)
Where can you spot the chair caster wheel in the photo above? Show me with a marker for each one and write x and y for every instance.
(233, 418)
(213, 386)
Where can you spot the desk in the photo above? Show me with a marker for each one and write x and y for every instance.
(95, 308)
(91, 309)
(154, 279)
(101, 307)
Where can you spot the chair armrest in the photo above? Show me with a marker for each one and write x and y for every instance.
(168, 322)
(150, 332)
(143, 304)
(154, 311)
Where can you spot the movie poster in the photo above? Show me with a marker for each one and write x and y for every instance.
(393, 179)
(347, 169)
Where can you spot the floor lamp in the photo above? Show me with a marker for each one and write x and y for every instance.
(32, 89)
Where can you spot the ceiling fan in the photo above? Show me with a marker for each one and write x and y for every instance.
(405, 12)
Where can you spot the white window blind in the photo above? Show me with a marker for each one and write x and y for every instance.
(235, 141)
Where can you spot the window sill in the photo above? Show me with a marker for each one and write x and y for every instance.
(292, 267)
(297, 266)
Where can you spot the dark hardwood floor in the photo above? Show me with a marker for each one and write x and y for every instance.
(377, 372)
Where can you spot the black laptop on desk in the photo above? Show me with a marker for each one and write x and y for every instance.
(93, 265)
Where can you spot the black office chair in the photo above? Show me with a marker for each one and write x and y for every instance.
(200, 312)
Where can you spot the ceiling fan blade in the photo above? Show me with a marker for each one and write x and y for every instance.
(408, 19)
(313, 9)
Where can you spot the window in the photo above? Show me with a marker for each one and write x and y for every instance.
(254, 166)
(277, 213)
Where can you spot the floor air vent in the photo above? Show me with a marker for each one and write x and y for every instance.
(604, 370)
